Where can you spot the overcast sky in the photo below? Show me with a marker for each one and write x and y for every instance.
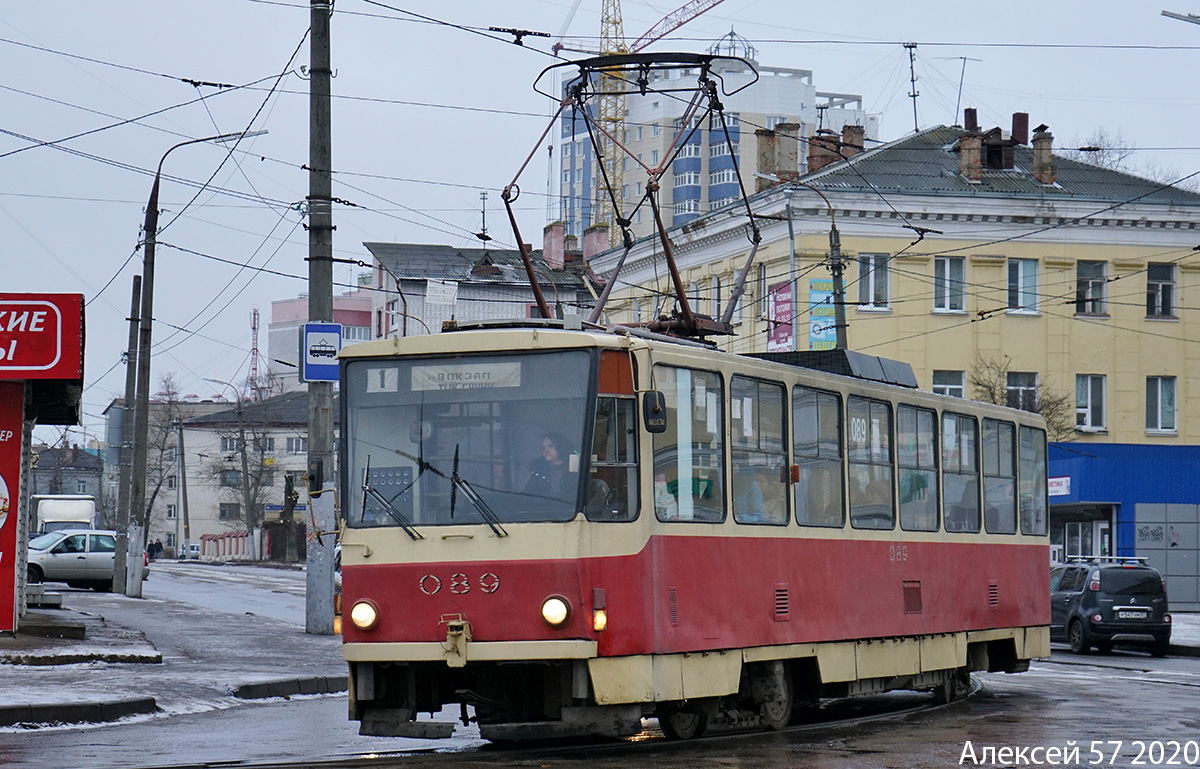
(426, 115)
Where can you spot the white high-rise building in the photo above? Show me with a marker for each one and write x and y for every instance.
(702, 176)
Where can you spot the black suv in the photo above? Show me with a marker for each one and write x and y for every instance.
(1105, 601)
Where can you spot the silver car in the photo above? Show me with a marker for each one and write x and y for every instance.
(79, 557)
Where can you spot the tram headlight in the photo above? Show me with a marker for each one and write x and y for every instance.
(364, 614)
(556, 611)
(599, 619)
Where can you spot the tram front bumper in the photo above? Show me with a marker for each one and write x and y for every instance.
(463, 650)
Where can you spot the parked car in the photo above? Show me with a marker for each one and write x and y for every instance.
(1104, 602)
(79, 557)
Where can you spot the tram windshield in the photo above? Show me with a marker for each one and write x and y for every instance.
(488, 439)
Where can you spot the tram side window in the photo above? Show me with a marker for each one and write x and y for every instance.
(756, 443)
(999, 477)
(817, 431)
(612, 489)
(872, 502)
(960, 472)
(690, 455)
(1033, 488)
(916, 455)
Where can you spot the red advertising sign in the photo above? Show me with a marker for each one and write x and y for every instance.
(779, 318)
(41, 336)
(12, 401)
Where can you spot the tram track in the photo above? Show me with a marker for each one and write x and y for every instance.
(847, 714)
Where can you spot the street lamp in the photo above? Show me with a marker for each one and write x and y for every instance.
(247, 510)
(141, 426)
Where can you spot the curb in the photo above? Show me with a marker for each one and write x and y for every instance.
(288, 687)
(71, 658)
(76, 713)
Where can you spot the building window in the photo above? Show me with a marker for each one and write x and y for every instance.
(774, 120)
(81, 487)
(297, 445)
(873, 281)
(716, 297)
(567, 177)
(732, 119)
(638, 130)
(637, 189)
(1160, 404)
(1160, 291)
(229, 511)
(687, 207)
(687, 179)
(170, 512)
(720, 149)
(723, 176)
(168, 454)
(1089, 288)
(1023, 390)
(171, 482)
(229, 444)
(716, 203)
(264, 445)
(949, 283)
(655, 129)
(624, 191)
(950, 383)
(1022, 285)
(689, 150)
(654, 157)
(231, 478)
(1089, 402)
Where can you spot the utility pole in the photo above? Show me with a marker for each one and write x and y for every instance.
(183, 545)
(322, 515)
(912, 76)
(124, 468)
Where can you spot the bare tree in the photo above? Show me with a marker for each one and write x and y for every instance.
(245, 472)
(989, 377)
(160, 450)
(1113, 151)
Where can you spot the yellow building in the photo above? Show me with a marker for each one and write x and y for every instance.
(973, 250)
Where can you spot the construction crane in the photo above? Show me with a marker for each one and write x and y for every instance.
(610, 111)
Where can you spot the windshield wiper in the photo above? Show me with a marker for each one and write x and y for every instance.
(396, 515)
(458, 482)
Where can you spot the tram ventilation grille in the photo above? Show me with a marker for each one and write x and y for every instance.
(993, 594)
(912, 597)
(783, 600)
(674, 608)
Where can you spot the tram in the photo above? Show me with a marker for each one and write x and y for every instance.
(564, 531)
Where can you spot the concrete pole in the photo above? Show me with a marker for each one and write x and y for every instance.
(125, 456)
(184, 545)
(319, 566)
(787, 196)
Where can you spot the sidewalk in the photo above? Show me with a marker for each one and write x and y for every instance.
(105, 657)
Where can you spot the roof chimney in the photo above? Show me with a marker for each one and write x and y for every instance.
(1044, 168)
(822, 150)
(1020, 129)
(787, 151)
(970, 156)
(552, 245)
(766, 154)
(853, 139)
(595, 240)
(970, 120)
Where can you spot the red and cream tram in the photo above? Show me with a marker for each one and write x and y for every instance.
(571, 530)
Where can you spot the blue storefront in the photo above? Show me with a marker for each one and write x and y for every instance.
(1130, 500)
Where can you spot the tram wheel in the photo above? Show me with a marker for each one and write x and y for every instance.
(683, 724)
(956, 687)
(777, 713)
(1078, 641)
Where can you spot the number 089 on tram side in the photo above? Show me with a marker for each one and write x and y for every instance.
(564, 532)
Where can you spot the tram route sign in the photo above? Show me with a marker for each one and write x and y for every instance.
(319, 347)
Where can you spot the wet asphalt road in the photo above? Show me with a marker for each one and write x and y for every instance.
(217, 625)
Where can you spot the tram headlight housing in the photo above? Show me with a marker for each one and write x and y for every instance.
(364, 615)
(556, 611)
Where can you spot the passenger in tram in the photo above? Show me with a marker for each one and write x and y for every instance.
(748, 504)
(548, 474)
